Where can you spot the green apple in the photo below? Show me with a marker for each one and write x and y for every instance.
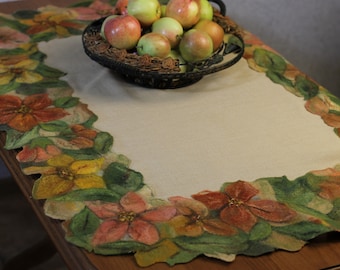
(195, 46)
(153, 44)
(170, 28)
(146, 11)
(206, 10)
(176, 55)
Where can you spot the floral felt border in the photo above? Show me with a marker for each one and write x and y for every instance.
(104, 204)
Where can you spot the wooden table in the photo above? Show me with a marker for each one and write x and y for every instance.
(321, 253)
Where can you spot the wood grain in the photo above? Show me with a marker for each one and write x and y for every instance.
(320, 253)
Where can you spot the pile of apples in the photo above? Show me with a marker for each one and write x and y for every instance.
(181, 29)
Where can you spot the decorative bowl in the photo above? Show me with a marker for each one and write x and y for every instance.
(163, 73)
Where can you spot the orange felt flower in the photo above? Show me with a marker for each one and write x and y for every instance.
(23, 115)
(240, 208)
(193, 219)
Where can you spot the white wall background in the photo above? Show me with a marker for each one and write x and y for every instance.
(305, 32)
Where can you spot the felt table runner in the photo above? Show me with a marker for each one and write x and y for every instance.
(242, 162)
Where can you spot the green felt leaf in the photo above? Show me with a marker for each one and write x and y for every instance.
(49, 72)
(103, 142)
(25, 14)
(10, 52)
(277, 77)
(296, 192)
(82, 154)
(260, 231)
(12, 24)
(306, 87)
(335, 213)
(75, 32)
(122, 179)
(119, 247)
(81, 228)
(15, 139)
(44, 36)
(81, 4)
(303, 230)
(83, 241)
(40, 142)
(66, 102)
(257, 248)
(208, 243)
(92, 194)
(6, 88)
(84, 223)
(160, 252)
(54, 126)
(184, 256)
(90, 121)
(269, 60)
(40, 87)
(39, 56)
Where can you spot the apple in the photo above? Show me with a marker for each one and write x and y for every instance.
(163, 9)
(187, 12)
(120, 7)
(103, 24)
(176, 55)
(206, 10)
(122, 31)
(213, 29)
(170, 28)
(146, 11)
(196, 45)
(153, 44)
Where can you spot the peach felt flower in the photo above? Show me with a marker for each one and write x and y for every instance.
(129, 218)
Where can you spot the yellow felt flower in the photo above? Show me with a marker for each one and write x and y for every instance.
(52, 19)
(64, 174)
(21, 71)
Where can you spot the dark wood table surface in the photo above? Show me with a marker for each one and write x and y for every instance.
(321, 253)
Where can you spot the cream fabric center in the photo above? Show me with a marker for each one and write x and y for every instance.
(231, 125)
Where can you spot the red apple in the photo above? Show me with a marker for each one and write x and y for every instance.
(153, 44)
(170, 28)
(103, 24)
(187, 12)
(196, 45)
(146, 11)
(213, 29)
(122, 32)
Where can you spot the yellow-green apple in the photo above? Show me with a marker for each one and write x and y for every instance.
(196, 45)
(153, 44)
(163, 9)
(122, 31)
(176, 55)
(213, 29)
(206, 10)
(187, 12)
(170, 28)
(146, 11)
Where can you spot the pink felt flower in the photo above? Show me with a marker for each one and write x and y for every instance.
(94, 11)
(37, 154)
(10, 38)
(129, 218)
